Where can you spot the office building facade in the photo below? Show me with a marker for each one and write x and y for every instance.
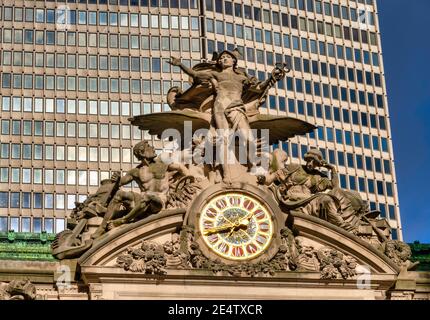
(73, 72)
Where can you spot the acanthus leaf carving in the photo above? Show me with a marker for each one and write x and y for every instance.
(149, 258)
(184, 253)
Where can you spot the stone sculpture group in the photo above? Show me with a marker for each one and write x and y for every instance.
(225, 101)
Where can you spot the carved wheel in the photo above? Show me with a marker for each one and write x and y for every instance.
(236, 226)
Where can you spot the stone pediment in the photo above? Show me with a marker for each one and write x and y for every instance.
(159, 257)
(121, 256)
(163, 227)
(160, 229)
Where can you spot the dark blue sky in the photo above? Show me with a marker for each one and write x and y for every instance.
(405, 31)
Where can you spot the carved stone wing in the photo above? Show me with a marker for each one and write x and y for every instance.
(156, 123)
(280, 128)
(197, 97)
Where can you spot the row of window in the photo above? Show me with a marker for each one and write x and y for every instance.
(158, 87)
(99, 40)
(183, 4)
(330, 50)
(39, 200)
(51, 225)
(85, 84)
(64, 153)
(56, 225)
(69, 129)
(358, 140)
(91, 62)
(345, 116)
(94, 154)
(80, 106)
(63, 15)
(256, 13)
(333, 71)
(317, 7)
(31, 224)
(305, 25)
(57, 177)
(346, 137)
(166, 22)
(307, 45)
(66, 16)
(333, 92)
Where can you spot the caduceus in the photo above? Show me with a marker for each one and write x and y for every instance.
(278, 73)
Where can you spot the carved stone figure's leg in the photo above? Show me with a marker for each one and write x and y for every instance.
(239, 123)
(211, 175)
(144, 206)
(222, 154)
(221, 121)
(112, 209)
(249, 142)
(139, 205)
(222, 131)
(330, 212)
(154, 204)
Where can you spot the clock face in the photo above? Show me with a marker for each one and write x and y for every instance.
(236, 226)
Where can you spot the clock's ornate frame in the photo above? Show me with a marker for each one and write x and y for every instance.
(266, 198)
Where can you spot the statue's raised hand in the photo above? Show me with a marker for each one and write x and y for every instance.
(175, 61)
(278, 74)
(327, 165)
(116, 175)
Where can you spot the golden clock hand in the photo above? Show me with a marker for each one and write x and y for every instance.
(218, 229)
(231, 232)
(228, 220)
(239, 224)
(247, 217)
(230, 225)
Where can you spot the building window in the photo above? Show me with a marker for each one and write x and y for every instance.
(3, 222)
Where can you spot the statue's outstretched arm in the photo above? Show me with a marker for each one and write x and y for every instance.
(128, 177)
(181, 168)
(177, 63)
(335, 178)
(267, 179)
(277, 74)
(334, 174)
(196, 75)
(263, 85)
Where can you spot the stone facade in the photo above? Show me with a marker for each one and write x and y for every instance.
(100, 277)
